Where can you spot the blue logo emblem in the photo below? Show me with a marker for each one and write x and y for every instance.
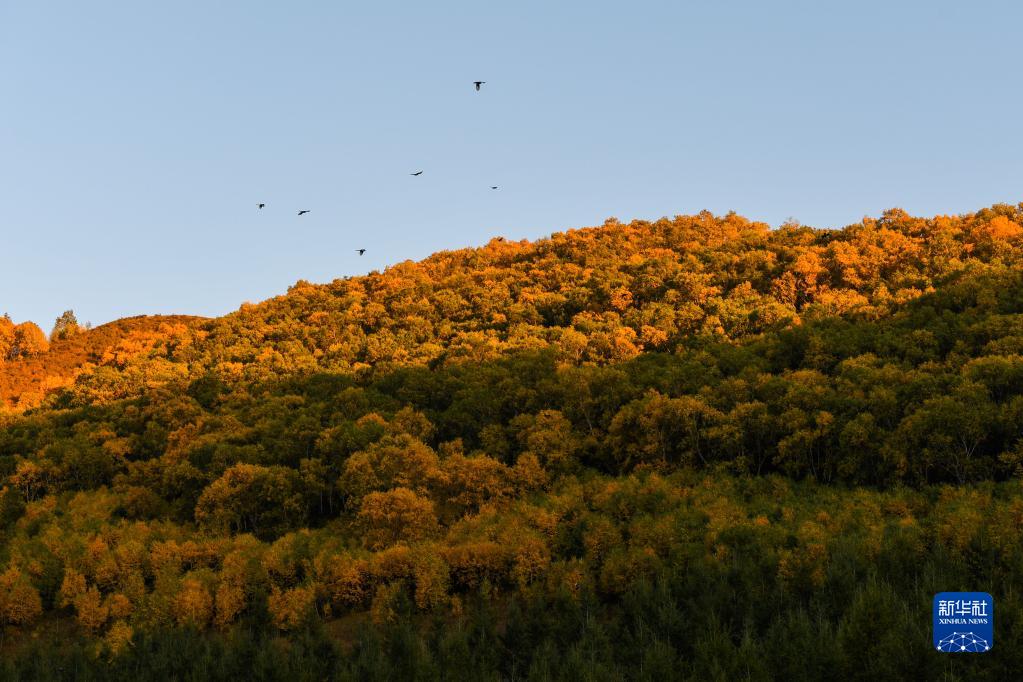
(964, 622)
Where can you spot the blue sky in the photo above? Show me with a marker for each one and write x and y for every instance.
(136, 138)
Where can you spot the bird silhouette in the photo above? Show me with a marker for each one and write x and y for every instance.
(493, 187)
(261, 205)
(303, 212)
(478, 84)
(416, 173)
(361, 251)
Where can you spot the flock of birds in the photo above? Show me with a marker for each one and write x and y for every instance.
(302, 212)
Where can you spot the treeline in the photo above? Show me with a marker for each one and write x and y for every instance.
(599, 295)
(27, 339)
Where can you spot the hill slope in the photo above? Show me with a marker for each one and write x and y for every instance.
(597, 295)
(25, 381)
(695, 447)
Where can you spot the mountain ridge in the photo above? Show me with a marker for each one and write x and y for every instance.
(599, 294)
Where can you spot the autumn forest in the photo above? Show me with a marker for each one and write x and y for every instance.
(695, 448)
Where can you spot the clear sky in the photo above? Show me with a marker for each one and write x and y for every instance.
(136, 138)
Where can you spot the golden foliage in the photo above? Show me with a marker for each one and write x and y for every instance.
(229, 601)
(118, 606)
(394, 516)
(473, 481)
(291, 607)
(118, 637)
(91, 612)
(431, 576)
(344, 579)
(193, 604)
(530, 560)
(72, 587)
(20, 603)
(473, 563)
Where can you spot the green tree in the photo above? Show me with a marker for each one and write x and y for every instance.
(262, 500)
(65, 326)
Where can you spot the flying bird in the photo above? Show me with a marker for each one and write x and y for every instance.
(478, 84)
(261, 205)
(361, 251)
(493, 187)
(416, 173)
(303, 212)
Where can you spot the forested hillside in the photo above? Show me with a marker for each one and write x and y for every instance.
(693, 447)
(32, 366)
